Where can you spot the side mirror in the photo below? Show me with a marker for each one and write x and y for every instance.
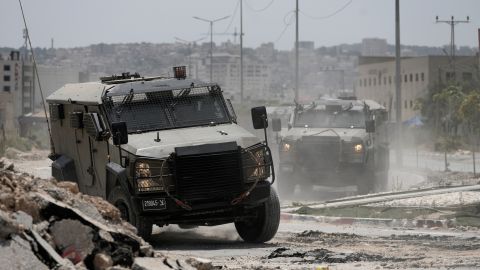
(370, 126)
(276, 124)
(93, 125)
(119, 133)
(259, 117)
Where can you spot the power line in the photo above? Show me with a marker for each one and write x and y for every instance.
(233, 17)
(35, 68)
(329, 15)
(258, 10)
(287, 24)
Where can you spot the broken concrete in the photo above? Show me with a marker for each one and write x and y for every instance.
(16, 253)
(45, 224)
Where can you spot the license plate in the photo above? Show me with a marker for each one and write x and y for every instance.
(154, 204)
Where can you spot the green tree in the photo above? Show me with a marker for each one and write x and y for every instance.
(447, 103)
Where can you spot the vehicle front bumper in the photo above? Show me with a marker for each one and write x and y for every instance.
(209, 211)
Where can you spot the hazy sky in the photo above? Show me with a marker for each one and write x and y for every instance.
(83, 22)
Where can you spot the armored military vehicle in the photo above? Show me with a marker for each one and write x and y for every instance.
(165, 151)
(334, 142)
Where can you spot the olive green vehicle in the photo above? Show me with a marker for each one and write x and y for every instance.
(165, 151)
(336, 143)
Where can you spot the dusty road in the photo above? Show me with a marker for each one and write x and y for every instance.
(304, 245)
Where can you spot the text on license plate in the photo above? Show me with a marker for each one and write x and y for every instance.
(154, 204)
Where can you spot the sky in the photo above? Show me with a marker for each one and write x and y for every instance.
(74, 23)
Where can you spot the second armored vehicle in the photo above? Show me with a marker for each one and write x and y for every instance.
(334, 142)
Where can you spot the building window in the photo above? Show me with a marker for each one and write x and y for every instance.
(6, 78)
(416, 77)
(406, 78)
(369, 81)
(374, 81)
(450, 76)
(411, 104)
(411, 77)
(384, 80)
(467, 76)
(389, 79)
(422, 76)
(6, 88)
(6, 67)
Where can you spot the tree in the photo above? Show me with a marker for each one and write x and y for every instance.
(447, 103)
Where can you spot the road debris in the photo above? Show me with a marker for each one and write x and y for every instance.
(46, 224)
(322, 255)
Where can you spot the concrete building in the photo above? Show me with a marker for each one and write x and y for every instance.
(374, 47)
(226, 72)
(376, 78)
(54, 77)
(17, 90)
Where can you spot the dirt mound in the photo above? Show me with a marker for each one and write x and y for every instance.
(54, 226)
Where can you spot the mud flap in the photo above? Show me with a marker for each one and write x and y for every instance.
(63, 169)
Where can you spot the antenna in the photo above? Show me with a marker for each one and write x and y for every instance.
(27, 37)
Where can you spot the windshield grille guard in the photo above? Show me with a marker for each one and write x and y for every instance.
(158, 110)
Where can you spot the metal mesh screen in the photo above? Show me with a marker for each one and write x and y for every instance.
(167, 109)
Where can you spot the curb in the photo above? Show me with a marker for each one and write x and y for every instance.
(386, 222)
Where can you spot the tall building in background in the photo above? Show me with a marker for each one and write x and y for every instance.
(226, 72)
(374, 47)
(17, 96)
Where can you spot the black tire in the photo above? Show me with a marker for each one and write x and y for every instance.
(123, 202)
(366, 183)
(265, 226)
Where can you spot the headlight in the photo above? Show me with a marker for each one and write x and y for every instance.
(256, 163)
(147, 175)
(286, 147)
(142, 169)
(358, 148)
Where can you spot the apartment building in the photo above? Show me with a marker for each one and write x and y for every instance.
(16, 90)
(376, 78)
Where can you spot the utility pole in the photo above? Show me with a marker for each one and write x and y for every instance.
(241, 51)
(296, 53)
(211, 39)
(398, 89)
(452, 22)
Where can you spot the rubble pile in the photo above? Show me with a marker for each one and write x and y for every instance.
(46, 224)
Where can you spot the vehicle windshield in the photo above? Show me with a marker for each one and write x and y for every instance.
(326, 119)
(167, 109)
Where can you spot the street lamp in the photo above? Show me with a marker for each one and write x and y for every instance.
(211, 39)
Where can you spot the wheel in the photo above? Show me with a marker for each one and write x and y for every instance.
(120, 199)
(264, 227)
(366, 182)
(286, 186)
